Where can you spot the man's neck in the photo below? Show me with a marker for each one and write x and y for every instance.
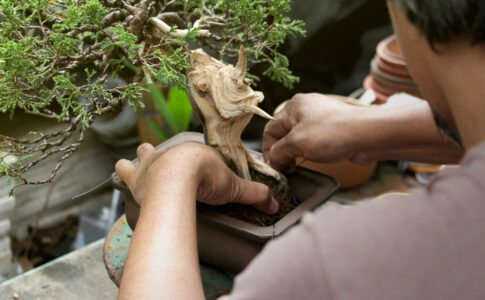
(464, 87)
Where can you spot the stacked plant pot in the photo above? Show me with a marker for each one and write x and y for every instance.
(389, 74)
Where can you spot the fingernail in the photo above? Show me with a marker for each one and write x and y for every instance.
(274, 206)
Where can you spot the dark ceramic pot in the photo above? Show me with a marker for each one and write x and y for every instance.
(230, 243)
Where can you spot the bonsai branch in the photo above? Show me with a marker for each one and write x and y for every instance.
(55, 58)
(178, 33)
(67, 151)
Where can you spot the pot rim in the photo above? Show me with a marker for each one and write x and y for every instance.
(239, 227)
(378, 72)
(387, 55)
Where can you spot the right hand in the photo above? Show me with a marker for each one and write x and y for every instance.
(317, 128)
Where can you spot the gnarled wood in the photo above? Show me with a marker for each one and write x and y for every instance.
(225, 102)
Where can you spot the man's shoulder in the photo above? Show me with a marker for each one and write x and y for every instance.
(465, 182)
(429, 241)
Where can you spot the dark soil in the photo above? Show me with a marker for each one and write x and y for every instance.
(249, 214)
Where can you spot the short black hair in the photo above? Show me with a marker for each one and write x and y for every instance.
(441, 20)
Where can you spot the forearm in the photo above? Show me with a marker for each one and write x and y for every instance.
(407, 133)
(162, 261)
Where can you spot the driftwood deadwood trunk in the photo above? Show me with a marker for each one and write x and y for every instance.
(225, 103)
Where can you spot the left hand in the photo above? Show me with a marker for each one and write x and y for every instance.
(191, 165)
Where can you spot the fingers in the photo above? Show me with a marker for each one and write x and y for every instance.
(279, 130)
(144, 151)
(273, 131)
(256, 194)
(284, 152)
(126, 171)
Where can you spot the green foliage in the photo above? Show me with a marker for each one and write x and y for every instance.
(132, 94)
(93, 12)
(56, 55)
(122, 38)
(89, 14)
(34, 57)
(267, 22)
(5, 170)
(279, 71)
(249, 16)
(64, 45)
(37, 58)
(171, 68)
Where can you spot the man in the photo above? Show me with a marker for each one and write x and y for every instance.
(428, 245)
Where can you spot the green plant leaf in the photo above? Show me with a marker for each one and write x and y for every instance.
(162, 135)
(179, 104)
(162, 107)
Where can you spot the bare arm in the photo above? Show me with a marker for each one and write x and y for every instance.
(324, 129)
(407, 133)
(163, 262)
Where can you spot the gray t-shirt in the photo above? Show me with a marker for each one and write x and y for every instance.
(427, 245)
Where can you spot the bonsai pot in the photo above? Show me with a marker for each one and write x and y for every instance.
(231, 243)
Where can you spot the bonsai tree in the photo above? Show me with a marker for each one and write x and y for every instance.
(57, 55)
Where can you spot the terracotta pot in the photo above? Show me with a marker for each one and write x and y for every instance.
(389, 52)
(377, 72)
(229, 243)
(389, 68)
(348, 174)
(424, 168)
(396, 87)
(384, 89)
(389, 73)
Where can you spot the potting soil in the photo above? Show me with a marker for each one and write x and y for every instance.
(247, 213)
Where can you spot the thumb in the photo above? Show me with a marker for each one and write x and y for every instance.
(256, 194)
(283, 153)
(126, 170)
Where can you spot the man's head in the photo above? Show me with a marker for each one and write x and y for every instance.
(440, 21)
(433, 35)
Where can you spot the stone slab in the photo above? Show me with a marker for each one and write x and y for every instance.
(7, 205)
(79, 275)
(4, 227)
(5, 244)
